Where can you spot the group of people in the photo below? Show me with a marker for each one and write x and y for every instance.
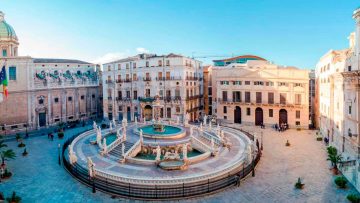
(51, 136)
(282, 127)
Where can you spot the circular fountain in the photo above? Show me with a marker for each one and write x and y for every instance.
(160, 153)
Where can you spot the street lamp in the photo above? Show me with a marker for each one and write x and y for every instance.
(59, 154)
(262, 140)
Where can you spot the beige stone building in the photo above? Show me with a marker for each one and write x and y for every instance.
(44, 92)
(255, 91)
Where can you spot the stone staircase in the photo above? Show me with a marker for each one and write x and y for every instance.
(117, 151)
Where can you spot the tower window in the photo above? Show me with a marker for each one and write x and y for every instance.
(12, 73)
(4, 53)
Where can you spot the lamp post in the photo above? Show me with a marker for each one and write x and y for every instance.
(262, 140)
(59, 154)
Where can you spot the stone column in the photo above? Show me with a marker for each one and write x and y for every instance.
(50, 121)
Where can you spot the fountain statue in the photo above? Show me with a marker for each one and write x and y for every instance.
(201, 127)
(184, 152)
(91, 166)
(72, 156)
(98, 137)
(191, 131)
(158, 153)
(186, 119)
(95, 126)
(141, 136)
(177, 120)
(124, 122)
(205, 120)
(212, 143)
(114, 123)
(104, 146)
(209, 125)
(157, 125)
(124, 133)
(249, 153)
(135, 120)
(110, 126)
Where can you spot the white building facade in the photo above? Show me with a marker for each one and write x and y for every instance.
(131, 85)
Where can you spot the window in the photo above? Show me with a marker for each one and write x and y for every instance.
(271, 98)
(224, 96)
(225, 117)
(12, 73)
(248, 111)
(224, 82)
(147, 63)
(160, 63)
(271, 113)
(282, 84)
(258, 97)
(349, 133)
(119, 94)
(298, 85)
(258, 83)
(297, 123)
(128, 94)
(82, 97)
(147, 92)
(282, 98)
(177, 109)
(349, 68)
(120, 108)
(69, 98)
(127, 66)
(297, 99)
(135, 94)
(119, 66)
(298, 114)
(168, 112)
(247, 97)
(167, 63)
(269, 83)
(236, 96)
(349, 109)
(93, 96)
(134, 77)
(225, 109)
(109, 68)
(41, 101)
(56, 100)
(4, 53)
(236, 82)
(247, 82)
(134, 65)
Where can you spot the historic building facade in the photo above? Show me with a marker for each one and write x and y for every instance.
(259, 92)
(130, 86)
(44, 92)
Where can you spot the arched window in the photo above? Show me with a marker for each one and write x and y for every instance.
(349, 133)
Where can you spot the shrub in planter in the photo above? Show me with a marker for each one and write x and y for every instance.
(353, 198)
(2, 198)
(18, 137)
(21, 144)
(7, 174)
(25, 152)
(14, 198)
(299, 184)
(60, 134)
(287, 143)
(341, 181)
(103, 126)
(319, 138)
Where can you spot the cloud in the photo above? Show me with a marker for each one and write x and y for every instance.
(142, 50)
(109, 57)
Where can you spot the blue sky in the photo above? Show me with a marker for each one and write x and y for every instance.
(293, 32)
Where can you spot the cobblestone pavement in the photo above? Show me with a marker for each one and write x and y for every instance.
(39, 178)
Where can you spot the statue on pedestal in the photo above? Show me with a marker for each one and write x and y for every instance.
(94, 126)
(184, 150)
(158, 153)
(141, 136)
(72, 156)
(110, 126)
(201, 127)
(98, 137)
(91, 166)
(205, 120)
(104, 146)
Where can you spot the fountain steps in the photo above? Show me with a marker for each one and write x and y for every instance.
(117, 151)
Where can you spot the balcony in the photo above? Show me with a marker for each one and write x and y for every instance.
(194, 97)
(119, 81)
(127, 80)
(192, 78)
(147, 79)
(109, 98)
(109, 82)
(146, 99)
(168, 78)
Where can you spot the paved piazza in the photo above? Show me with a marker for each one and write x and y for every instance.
(39, 178)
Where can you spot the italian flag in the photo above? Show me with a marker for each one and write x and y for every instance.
(4, 81)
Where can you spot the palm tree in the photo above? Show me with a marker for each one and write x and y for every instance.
(2, 144)
(7, 155)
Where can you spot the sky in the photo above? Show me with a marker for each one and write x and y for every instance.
(287, 32)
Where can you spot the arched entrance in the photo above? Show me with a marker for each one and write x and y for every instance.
(237, 115)
(148, 113)
(282, 116)
(259, 119)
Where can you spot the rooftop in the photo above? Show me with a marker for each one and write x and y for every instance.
(51, 60)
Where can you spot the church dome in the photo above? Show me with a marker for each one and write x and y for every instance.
(6, 31)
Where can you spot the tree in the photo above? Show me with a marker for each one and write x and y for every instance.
(7, 155)
(333, 157)
(2, 144)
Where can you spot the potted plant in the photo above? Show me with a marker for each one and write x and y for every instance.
(353, 198)
(2, 198)
(18, 137)
(299, 184)
(7, 174)
(6, 155)
(334, 158)
(25, 152)
(341, 182)
(60, 134)
(21, 144)
(287, 143)
(14, 198)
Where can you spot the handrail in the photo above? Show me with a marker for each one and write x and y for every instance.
(116, 142)
(200, 144)
(132, 149)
